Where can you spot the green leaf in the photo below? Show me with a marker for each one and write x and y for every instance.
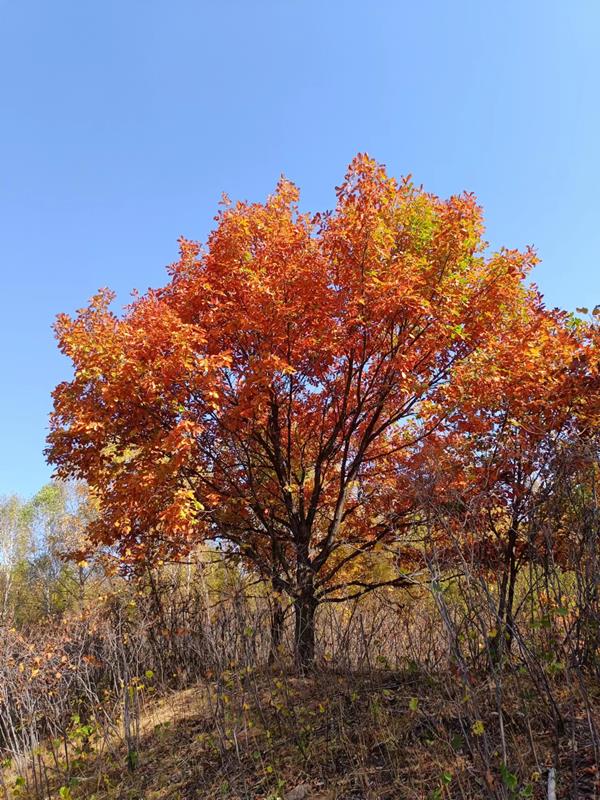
(509, 779)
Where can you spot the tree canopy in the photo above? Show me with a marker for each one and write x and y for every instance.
(282, 391)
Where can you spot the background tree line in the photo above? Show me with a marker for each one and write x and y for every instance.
(37, 581)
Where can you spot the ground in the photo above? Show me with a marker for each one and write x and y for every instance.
(333, 736)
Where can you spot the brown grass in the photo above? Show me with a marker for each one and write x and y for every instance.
(340, 736)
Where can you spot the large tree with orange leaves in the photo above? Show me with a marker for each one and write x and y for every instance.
(273, 394)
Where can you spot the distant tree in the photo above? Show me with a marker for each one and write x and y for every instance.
(58, 516)
(38, 578)
(15, 544)
(273, 394)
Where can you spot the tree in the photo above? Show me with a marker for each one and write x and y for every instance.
(36, 539)
(273, 394)
(492, 467)
(58, 516)
(15, 544)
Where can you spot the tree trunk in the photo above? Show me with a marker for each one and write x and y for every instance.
(502, 640)
(512, 582)
(305, 606)
(277, 621)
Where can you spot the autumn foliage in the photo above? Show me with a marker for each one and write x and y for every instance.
(306, 386)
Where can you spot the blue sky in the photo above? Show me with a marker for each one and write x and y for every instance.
(122, 121)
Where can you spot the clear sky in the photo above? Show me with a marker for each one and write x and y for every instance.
(122, 121)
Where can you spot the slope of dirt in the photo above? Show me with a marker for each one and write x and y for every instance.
(338, 737)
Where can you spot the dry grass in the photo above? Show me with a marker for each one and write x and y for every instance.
(405, 701)
(334, 736)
